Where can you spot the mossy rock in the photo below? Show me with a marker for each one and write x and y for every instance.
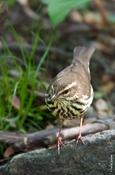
(97, 156)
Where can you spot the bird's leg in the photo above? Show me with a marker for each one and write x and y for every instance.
(59, 140)
(79, 137)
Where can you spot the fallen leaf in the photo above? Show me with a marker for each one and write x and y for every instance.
(16, 102)
(9, 151)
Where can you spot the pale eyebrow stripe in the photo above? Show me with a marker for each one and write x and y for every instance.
(68, 87)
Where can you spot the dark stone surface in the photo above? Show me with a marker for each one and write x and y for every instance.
(96, 157)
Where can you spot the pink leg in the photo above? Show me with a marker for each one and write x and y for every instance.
(59, 141)
(79, 138)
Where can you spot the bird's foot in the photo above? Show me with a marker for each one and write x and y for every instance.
(79, 139)
(59, 142)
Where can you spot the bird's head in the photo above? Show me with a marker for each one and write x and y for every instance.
(58, 91)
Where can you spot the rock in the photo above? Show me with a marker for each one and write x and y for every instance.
(103, 108)
(97, 156)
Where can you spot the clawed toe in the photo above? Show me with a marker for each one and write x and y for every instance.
(79, 139)
(59, 143)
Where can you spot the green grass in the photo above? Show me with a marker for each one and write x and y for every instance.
(21, 83)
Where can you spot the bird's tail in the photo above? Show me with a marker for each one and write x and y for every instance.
(83, 54)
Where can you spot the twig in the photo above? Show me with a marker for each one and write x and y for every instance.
(28, 11)
(94, 21)
(100, 6)
(47, 137)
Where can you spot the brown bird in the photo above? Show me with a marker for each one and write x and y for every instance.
(70, 94)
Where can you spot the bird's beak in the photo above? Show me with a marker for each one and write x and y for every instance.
(53, 97)
(48, 99)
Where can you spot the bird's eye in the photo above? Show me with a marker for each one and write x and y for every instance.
(66, 91)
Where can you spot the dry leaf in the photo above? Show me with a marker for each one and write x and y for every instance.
(16, 102)
(9, 151)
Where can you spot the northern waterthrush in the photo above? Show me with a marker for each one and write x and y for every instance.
(70, 94)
